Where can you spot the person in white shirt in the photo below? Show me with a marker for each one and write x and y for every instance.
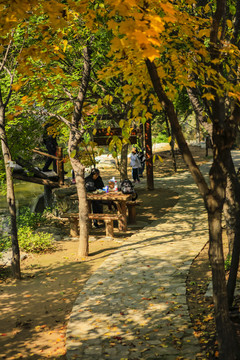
(135, 164)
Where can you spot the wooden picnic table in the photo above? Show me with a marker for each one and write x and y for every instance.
(120, 200)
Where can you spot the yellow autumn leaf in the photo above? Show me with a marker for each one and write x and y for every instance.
(10, 117)
(50, 85)
(160, 158)
(234, 95)
(204, 32)
(24, 99)
(216, 61)
(18, 108)
(121, 123)
(65, 42)
(229, 23)
(73, 153)
(16, 87)
(227, 68)
(208, 96)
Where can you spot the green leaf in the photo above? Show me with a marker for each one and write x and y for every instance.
(73, 154)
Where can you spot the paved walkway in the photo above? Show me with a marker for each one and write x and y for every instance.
(134, 307)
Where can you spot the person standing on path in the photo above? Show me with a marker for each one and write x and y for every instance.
(142, 159)
(135, 164)
(50, 142)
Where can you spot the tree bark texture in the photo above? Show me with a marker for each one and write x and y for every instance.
(199, 109)
(124, 162)
(172, 143)
(232, 216)
(214, 203)
(229, 209)
(176, 128)
(77, 129)
(149, 158)
(10, 197)
(83, 247)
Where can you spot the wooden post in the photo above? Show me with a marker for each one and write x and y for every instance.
(109, 227)
(74, 230)
(60, 167)
(131, 212)
(48, 196)
(149, 159)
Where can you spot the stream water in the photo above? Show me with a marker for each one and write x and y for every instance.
(25, 194)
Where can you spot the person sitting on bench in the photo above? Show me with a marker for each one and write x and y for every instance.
(92, 183)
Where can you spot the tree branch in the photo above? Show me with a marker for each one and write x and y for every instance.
(169, 107)
(6, 55)
(77, 114)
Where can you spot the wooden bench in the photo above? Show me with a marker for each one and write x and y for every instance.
(107, 218)
(73, 220)
(131, 205)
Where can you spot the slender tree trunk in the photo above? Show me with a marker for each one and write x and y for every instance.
(170, 134)
(149, 159)
(214, 202)
(199, 110)
(78, 168)
(10, 197)
(232, 214)
(75, 137)
(124, 162)
(83, 247)
(229, 210)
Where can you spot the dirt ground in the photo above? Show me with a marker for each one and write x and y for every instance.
(34, 311)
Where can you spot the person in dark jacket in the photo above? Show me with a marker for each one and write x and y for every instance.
(51, 145)
(142, 159)
(92, 183)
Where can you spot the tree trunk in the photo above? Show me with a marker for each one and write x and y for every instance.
(176, 128)
(171, 135)
(124, 162)
(199, 110)
(229, 210)
(214, 203)
(83, 247)
(232, 212)
(75, 137)
(10, 198)
(149, 158)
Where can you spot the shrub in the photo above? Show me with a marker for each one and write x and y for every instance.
(28, 218)
(28, 238)
(5, 243)
(37, 242)
(160, 138)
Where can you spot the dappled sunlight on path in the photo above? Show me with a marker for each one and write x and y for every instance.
(134, 306)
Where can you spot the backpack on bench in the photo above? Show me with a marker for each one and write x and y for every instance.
(128, 188)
